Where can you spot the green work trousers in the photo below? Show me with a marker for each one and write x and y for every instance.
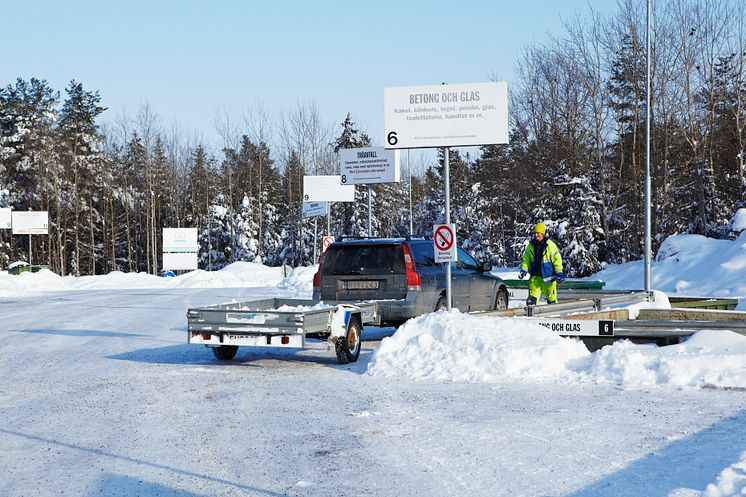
(536, 287)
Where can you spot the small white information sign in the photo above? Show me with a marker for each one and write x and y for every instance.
(444, 242)
(325, 242)
(180, 260)
(5, 218)
(315, 209)
(569, 327)
(366, 166)
(180, 240)
(30, 222)
(457, 115)
(327, 189)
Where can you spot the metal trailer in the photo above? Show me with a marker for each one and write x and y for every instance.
(282, 323)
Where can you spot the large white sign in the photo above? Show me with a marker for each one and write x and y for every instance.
(446, 115)
(30, 222)
(315, 209)
(180, 240)
(327, 189)
(444, 243)
(182, 260)
(5, 218)
(365, 166)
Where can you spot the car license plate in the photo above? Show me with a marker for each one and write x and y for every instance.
(362, 285)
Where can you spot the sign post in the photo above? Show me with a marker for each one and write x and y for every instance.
(460, 115)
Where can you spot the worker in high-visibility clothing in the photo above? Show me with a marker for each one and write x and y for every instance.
(543, 262)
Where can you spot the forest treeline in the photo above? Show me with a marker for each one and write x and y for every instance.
(576, 159)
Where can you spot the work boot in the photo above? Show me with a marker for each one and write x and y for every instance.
(531, 301)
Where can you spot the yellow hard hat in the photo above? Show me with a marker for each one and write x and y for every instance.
(540, 228)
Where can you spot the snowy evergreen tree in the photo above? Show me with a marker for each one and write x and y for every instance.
(80, 152)
(247, 232)
(351, 218)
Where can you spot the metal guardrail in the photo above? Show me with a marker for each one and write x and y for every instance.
(645, 329)
(589, 301)
(578, 302)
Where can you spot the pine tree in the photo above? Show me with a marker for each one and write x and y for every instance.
(79, 141)
(351, 218)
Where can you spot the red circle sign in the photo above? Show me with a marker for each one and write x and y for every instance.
(326, 241)
(443, 238)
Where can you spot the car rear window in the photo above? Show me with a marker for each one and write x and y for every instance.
(423, 253)
(364, 259)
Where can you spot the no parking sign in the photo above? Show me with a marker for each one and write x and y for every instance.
(444, 242)
(325, 242)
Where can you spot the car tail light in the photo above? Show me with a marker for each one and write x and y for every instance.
(317, 277)
(413, 279)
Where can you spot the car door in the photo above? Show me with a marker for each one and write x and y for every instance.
(460, 286)
(480, 284)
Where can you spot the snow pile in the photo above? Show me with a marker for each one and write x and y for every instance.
(238, 274)
(456, 347)
(459, 347)
(301, 280)
(707, 359)
(301, 308)
(658, 301)
(687, 265)
(738, 223)
(730, 482)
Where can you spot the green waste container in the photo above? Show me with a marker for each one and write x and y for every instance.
(27, 269)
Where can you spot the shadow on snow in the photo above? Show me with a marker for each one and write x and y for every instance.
(189, 354)
(130, 485)
(82, 333)
(690, 463)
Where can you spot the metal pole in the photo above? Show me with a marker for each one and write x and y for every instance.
(647, 157)
(315, 239)
(370, 210)
(446, 178)
(30, 262)
(409, 166)
(329, 220)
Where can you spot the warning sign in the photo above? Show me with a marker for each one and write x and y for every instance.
(325, 242)
(444, 242)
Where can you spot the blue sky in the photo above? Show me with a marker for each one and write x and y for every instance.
(190, 59)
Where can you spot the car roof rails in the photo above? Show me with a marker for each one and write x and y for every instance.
(357, 237)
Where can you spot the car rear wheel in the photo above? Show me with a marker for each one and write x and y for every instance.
(501, 301)
(441, 304)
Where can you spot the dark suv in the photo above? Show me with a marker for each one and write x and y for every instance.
(401, 274)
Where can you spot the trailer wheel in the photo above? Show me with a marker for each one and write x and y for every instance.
(225, 352)
(348, 346)
(501, 301)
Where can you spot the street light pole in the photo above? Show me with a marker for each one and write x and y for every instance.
(647, 156)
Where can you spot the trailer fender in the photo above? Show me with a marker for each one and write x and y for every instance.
(340, 320)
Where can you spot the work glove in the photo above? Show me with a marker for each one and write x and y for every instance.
(522, 274)
(560, 277)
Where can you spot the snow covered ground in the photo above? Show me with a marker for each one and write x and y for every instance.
(100, 395)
